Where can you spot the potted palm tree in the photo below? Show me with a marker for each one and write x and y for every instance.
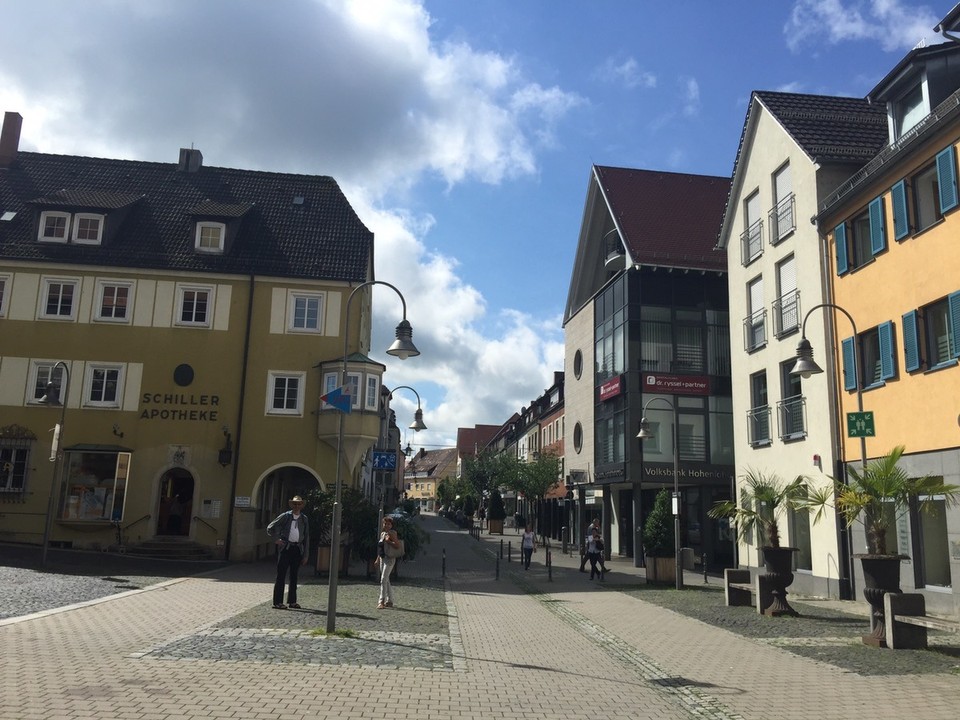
(659, 543)
(763, 499)
(877, 495)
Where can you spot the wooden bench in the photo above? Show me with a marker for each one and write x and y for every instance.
(739, 591)
(907, 622)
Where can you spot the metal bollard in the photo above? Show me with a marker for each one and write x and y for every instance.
(443, 562)
(498, 569)
(703, 564)
(501, 548)
(510, 551)
(563, 534)
(549, 566)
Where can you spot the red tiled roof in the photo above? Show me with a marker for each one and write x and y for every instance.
(667, 219)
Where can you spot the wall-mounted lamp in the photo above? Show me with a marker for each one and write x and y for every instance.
(117, 431)
(225, 456)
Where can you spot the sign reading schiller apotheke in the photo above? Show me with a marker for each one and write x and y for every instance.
(611, 388)
(680, 384)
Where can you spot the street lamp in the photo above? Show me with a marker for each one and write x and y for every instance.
(402, 348)
(646, 433)
(52, 397)
(805, 367)
(417, 425)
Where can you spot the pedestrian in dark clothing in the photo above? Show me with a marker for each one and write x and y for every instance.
(291, 533)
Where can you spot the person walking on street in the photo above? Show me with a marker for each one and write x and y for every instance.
(528, 544)
(594, 555)
(291, 534)
(389, 548)
(594, 527)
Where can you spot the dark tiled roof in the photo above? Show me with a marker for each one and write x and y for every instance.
(294, 226)
(829, 128)
(431, 461)
(667, 219)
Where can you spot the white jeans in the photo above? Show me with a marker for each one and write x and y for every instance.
(386, 567)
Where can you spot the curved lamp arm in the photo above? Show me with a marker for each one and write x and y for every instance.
(417, 424)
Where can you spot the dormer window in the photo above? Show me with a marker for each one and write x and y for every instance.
(80, 228)
(53, 226)
(910, 109)
(87, 228)
(210, 236)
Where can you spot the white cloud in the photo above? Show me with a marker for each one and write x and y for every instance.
(891, 23)
(355, 89)
(691, 97)
(627, 73)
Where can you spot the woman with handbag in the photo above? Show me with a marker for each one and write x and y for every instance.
(389, 548)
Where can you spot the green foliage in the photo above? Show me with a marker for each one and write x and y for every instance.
(469, 505)
(481, 473)
(496, 511)
(763, 499)
(358, 520)
(413, 535)
(875, 490)
(658, 535)
(537, 477)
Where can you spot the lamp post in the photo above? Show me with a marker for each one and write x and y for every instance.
(402, 348)
(52, 397)
(417, 425)
(646, 433)
(805, 367)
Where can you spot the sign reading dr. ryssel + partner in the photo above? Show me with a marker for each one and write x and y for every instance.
(180, 406)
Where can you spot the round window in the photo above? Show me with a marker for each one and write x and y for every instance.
(577, 364)
(577, 437)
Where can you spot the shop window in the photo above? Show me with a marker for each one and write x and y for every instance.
(96, 484)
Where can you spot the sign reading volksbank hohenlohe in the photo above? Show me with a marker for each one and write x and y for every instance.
(180, 406)
(680, 384)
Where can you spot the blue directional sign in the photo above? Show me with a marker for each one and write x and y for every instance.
(339, 399)
(384, 460)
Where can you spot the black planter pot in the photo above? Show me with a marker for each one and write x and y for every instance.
(778, 563)
(881, 575)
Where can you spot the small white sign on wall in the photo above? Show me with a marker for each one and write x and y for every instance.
(241, 501)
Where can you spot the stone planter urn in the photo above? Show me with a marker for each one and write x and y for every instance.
(881, 575)
(778, 563)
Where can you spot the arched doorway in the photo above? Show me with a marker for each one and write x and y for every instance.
(175, 505)
(278, 486)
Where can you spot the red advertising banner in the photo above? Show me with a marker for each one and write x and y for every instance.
(611, 388)
(680, 384)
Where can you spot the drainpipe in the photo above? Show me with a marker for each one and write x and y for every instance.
(238, 441)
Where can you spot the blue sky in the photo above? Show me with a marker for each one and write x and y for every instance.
(462, 132)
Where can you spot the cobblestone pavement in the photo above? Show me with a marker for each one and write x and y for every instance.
(486, 640)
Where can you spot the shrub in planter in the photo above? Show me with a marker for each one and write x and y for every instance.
(658, 541)
(497, 513)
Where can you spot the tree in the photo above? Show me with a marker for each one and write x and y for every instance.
(763, 498)
(480, 472)
(658, 539)
(533, 479)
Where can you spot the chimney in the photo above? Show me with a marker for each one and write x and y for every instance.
(10, 138)
(190, 160)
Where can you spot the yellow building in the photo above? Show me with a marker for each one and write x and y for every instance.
(892, 231)
(190, 317)
(424, 470)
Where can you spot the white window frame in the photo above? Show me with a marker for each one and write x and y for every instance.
(102, 286)
(273, 377)
(211, 301)
(371, 397)
(45, 294)
(91, 369)
(6, 286)
(45, 367)
(75, 228)
(330, 383)
(353, 379)
(221, 229)
(42, 237)
(292, 297)
(15, 456)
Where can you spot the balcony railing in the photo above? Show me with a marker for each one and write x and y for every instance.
(786, 314)
(758, 426)
(751, 242)
(783, 219)
(792, 417)
(755, 331)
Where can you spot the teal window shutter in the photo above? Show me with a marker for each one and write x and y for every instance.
(953, 316)
(840, 239)
(888, 365)
(901, 221)
(911, 342)
(878, 235)
(947, 177)
(849, 363)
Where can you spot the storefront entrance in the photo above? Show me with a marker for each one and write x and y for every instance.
(175, 505)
